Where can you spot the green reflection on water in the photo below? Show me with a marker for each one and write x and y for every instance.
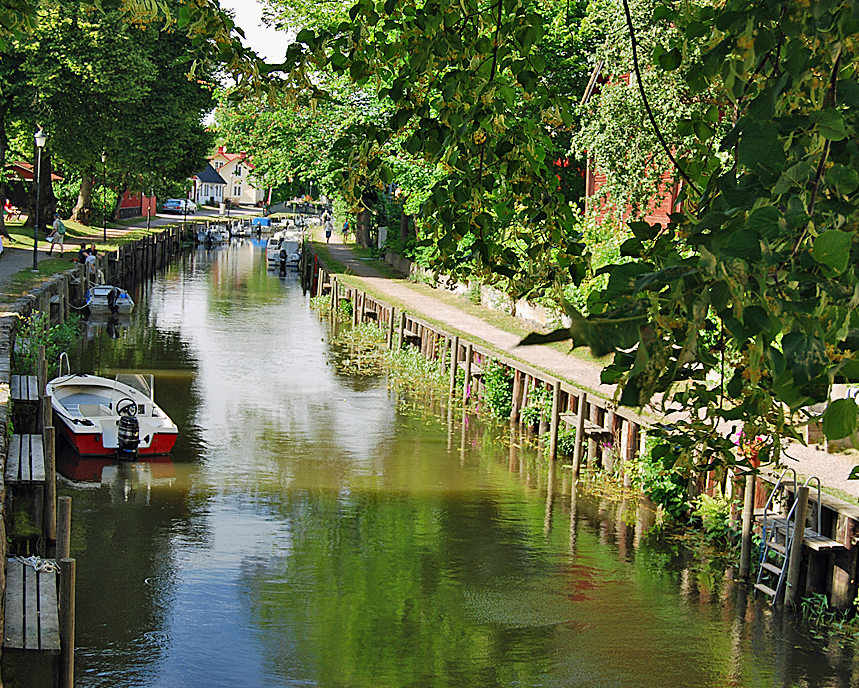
(317, 530)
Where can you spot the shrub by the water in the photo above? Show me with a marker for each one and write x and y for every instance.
(35, 332)
(498, 388)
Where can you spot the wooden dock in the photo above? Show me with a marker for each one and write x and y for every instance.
(25, 463)
(32, 612)
(24, 389)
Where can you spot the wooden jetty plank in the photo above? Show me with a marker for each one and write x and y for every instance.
(49, 635)
(32, 388)
(37, 458)
(24, 388)
(26, 459)
(31, 609)
(14, 635)
(13, 460)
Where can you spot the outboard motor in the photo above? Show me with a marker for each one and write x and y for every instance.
(283, 257)
(112, 298)
(127, 429)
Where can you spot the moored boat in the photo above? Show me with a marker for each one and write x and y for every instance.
(103, 299)
(118, 418)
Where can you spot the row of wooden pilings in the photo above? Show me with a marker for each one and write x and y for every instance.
(57, 298)
(604, 434)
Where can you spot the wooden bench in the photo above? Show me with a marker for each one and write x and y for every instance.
(26, 460)
(32, 613)
(24, 389)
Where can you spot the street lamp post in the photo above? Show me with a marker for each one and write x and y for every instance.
(40, 139)
(104, 195)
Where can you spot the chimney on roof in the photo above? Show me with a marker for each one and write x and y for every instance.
(221, 150)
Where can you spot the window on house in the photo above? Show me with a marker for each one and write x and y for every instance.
(237, 190)
(218, 165)
(238, 171)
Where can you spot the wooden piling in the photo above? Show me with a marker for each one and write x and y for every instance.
(67, 623)
(402, 329)
(580, 432)
(517, 393)
(556, 419)
(454, 364)
(748, 519)
(64, 527)
(45, 415)
(390, 337)
(50, 491)
(466, 387)
(791, 596)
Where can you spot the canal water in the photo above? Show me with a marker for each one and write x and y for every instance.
(319, 529)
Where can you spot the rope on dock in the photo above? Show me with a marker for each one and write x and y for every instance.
(39, 564)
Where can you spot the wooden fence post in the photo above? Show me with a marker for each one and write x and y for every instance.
(390, 336)
(454, 364)
(748, 518)
(50, 493)
(402, 329)
(64, 527)
(791, 593)
(67, 623)
(556, 418)
(580, 432)
(517, 393)
(466, 387)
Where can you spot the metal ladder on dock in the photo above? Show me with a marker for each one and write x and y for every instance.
(779, 535)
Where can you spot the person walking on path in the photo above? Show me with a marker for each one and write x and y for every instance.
(58, 235)
(327, 225)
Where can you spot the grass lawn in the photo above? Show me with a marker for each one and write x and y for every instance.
(21, 237)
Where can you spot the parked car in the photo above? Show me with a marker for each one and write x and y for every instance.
(179, 205)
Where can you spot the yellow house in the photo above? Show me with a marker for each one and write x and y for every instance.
(235, 169)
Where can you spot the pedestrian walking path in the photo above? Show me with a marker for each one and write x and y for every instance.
(832, 469)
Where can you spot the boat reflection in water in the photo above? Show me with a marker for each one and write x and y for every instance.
(114, 325)
(128, 481)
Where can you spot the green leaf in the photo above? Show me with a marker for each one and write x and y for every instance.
(830, 124)
(554, 336)
(804, 355)
(840, 419)
(305, 36)
(669, 61)
(848, 92)
(759, 144)
(842, 179)
(660, 278)
(832, 248)
(796, 175)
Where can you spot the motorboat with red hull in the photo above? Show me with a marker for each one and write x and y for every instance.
(111, 418)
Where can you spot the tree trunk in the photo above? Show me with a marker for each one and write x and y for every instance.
(47, 200)
(83, 208)
(116, 206)
(4, 146)
(404, 226)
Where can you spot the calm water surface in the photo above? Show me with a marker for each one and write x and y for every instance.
(313, 529)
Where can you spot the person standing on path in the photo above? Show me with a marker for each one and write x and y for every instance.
(327, 225)
(58, 235)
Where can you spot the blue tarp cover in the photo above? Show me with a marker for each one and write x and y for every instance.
(264, 221)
